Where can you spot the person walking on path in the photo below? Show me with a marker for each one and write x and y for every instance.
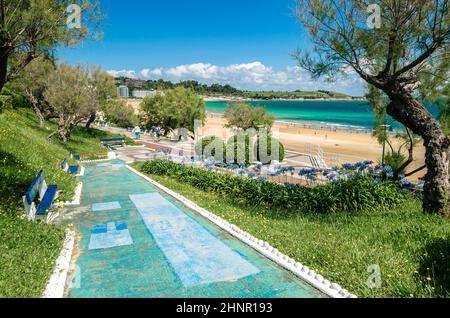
(137, 131)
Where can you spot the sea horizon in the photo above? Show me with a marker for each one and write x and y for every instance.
(353, 115)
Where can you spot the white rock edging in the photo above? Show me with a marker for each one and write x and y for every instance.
(82, 170)
(96, 160)
(318, 281)
(57, 282)
(77, 197)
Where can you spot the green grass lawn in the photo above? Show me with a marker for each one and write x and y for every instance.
(29, 250)
(411, 248)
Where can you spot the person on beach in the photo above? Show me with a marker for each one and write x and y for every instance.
(137, 131)
(157, 133)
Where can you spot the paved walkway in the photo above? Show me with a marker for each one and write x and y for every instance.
(138, 242)
(292, 158)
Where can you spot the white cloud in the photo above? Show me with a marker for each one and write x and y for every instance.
(249, 76)
(126, 73)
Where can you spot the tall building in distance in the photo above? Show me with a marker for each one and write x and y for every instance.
(123, 91)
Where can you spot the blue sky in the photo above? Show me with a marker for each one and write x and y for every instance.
(246, 43)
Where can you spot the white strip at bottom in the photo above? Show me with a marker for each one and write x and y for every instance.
(57, 282)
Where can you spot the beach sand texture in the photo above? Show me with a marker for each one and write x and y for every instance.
(338, 146)
(341, 146)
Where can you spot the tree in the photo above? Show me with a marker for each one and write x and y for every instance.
(31, 28)
(395, 156)
(118, 112)
(32, 83)
(72, 96)
(105, 90)
(245, 116)
(173, 108)
(393, 56)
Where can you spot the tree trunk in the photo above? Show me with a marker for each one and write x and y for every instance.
(63, 130)
(91, 119)
(40, 116)
(36, 108)
(4, 53)
(405, 109)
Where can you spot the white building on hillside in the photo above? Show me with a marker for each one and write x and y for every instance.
(143, 93)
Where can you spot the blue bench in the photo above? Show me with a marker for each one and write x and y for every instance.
(47, 195)
(71, 169)
(113, 141)
(110, 142)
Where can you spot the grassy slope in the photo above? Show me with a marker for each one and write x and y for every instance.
(409, 246)
(29, 250)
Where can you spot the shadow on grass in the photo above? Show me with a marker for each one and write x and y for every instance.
(436, 265)
(12, 184)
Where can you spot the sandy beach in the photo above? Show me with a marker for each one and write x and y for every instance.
(338, 146)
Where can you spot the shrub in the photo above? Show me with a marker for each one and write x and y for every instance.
(211, 146)
(266, 155)
(174, 108)
(395, 160)
(245, 116)
(355, 195)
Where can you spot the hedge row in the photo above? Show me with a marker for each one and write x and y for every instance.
(356, 195)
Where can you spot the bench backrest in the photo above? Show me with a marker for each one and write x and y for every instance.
(38, 186)
(64, 164)
(112, 139)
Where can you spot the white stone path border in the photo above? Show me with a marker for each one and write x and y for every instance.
(316, 280)
(56, 284)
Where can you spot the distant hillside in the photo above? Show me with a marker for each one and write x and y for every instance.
(227, 90)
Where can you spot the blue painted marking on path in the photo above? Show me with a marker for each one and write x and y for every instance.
(112, 234)
(196, 255)
(105, 206)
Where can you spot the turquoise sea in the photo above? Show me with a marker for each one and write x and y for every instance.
(355, 115)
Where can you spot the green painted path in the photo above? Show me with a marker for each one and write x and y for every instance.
(139, 242)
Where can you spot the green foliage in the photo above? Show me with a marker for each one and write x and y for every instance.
(24, 150)
(37, 27)
(227, 90)
(172, 109)
(264, 144)
(211, 146)
(444, 116)
(105, 85)
(245, 116)
(29, 252)
(72, 95)
(118, 112)
(395, 160)
(412, 248)
(352, 196)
